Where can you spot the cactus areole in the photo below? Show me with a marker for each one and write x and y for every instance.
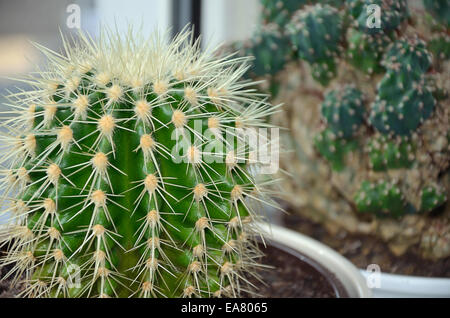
(101, 205)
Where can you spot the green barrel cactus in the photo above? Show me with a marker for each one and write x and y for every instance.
(404, 99)
(343, 110)
(279, 11)
(269, 48)
(432, 197)
(368, 112)
(440, 9)
(392, 14)
(366, 45)
(316, 33)
(333, 148)
(381, 198)
(365, 51)
(124, 176)
(386, 153)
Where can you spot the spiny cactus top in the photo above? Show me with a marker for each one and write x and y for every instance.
(125, 174)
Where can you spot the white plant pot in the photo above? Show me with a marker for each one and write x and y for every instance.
(350, 277)
(394, 286)
(385, 285)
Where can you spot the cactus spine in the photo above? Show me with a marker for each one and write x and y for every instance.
(94, 185)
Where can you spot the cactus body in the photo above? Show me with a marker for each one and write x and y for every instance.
(432, 198)
(366, 50)
(270, 50)
(95, 183)
(392, 14)
(404, 100)
(279, 11)
(316, 32)
(344, 111)
(440, 9)
(334, 148)
(388, 154)
(382, 198)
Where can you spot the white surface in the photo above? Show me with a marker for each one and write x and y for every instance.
(151, 14)
(390, 285)
(224, 21)
(394, 286)
(348, 274)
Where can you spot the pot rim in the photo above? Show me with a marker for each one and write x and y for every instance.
(396, 285)
(347, 273)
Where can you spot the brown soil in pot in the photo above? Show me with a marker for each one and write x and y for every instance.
(363, 250)
(286, 274)
(6, 290)
(294, 275)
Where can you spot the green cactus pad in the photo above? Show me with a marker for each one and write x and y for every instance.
(382, 199)
(365, 51)
(323, 72)
(334, 149)
(316, 33)
(404, 99)
(280, 11)
(432, 197)
(343, 110)
(440, 9)
(439, 45)
(401, 68)
(402, 117)
(270, 49)
(392, 14)
(390, 154)
(409, 57)
(104, 192)
(354, 8)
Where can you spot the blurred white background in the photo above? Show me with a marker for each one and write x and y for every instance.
(41, 21)
(229, 20)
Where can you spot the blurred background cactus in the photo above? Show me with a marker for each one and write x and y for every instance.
(368, 113)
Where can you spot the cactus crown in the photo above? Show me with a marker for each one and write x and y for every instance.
(101, 204)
